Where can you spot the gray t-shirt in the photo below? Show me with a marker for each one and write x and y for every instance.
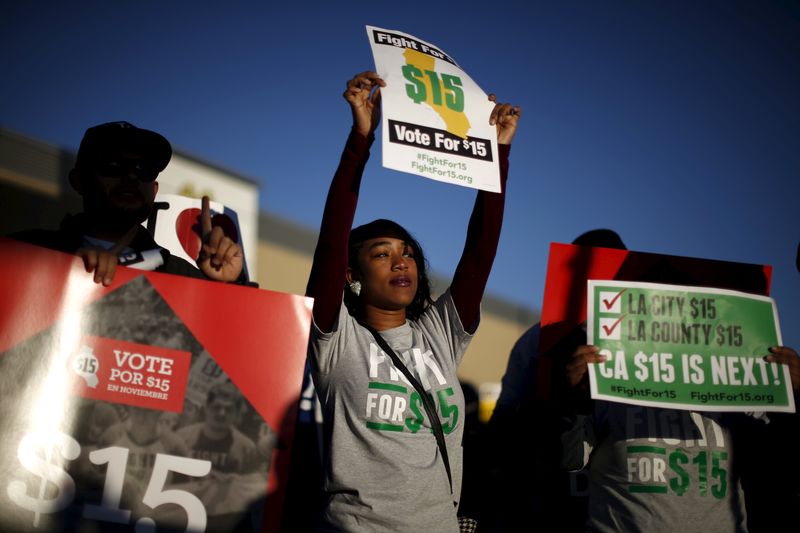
(383, 468)
(658, 470)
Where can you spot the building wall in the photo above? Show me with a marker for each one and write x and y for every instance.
(33, 185)
(282, 269)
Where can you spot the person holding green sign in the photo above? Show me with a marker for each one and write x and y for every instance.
(384, 470)
(654, 469)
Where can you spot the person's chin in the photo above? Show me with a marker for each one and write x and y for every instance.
(131, 202)
(402, 301)
(219, 427)
(406, 295)
(134, 211)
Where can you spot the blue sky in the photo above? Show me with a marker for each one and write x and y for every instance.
(676, 123)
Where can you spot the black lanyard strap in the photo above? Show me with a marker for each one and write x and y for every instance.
(427, 402)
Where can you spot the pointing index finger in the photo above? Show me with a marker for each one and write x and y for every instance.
(205, 216)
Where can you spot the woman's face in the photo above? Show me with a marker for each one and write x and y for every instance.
(387, 272)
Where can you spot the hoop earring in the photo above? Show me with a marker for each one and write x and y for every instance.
(355, 287)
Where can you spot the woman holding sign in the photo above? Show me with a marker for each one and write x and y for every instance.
(384, 469)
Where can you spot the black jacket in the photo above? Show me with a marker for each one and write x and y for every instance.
(69, 239)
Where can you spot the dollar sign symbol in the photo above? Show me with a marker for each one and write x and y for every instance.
(36, 453)
(416, 89)
(680, 483)
(414, 423)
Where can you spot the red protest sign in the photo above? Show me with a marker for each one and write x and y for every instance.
(160, 401)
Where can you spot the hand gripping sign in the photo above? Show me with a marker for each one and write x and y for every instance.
(159, 402)
(435, 118)
(564, 309)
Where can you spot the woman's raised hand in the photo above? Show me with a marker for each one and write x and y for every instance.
(505, 117)
(364, 102)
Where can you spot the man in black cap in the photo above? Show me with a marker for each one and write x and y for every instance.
(115, 173)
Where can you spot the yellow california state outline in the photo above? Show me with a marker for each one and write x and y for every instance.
(455, 121)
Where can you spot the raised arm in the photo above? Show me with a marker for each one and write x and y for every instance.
(483, 231)
(326, 282)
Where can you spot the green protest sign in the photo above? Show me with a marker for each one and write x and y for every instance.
(685, 348)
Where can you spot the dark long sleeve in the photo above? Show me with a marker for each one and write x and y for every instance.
(326, 281)
(483, 235)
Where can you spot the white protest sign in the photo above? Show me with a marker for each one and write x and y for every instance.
(175, 225)
(435, 118)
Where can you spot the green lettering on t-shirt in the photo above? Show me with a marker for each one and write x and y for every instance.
(413, 423)
(701, 460)
(449, 412)
(680, 483)
(719, 473)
